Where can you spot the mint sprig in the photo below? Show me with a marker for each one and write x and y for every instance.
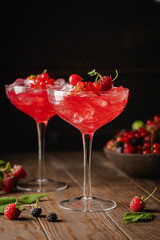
(21, 202)
(137, 217)
(32, 198)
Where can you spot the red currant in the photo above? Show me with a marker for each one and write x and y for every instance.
(156, 118)
(79, 86)
(97, 86)
(42, 84)
(146, 151)
(74, 79)
(43, 76)
(156, 145)
(149, 122)
(156, 150)
(50, 81)
(137, 135)
(147, 145)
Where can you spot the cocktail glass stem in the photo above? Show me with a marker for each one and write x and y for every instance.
(87, 203)
(41, 129)
(41, 183)
(87, 149)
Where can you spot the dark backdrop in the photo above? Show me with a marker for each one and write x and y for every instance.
(75, 38)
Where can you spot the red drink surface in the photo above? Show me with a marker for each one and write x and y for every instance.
(33, 102)
(88, 111)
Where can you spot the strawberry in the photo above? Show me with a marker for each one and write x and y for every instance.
(11, 211)
(18, 171)
(137, 203)
(7, 184)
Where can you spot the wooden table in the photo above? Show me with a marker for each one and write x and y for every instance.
(107, 182)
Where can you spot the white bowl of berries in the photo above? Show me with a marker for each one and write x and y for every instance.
(137, 151)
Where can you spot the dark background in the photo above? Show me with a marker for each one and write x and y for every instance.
(76, 38)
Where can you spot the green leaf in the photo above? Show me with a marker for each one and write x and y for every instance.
(2, 208)
(1, 162)
(137, 217)
(27, 199)
(21, 208)
(8, 167)
(7, 200)
(92, 73)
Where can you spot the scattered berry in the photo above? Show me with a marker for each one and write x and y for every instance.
(11, 211)
(7, 184)
(18, 171)
(51, 217)
(137, 204)
(36, 212)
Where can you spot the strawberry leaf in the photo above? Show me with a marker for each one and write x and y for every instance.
(27, 199)
(137, 217)
(7, 200)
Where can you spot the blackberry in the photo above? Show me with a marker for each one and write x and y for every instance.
(36, 212)
(51, 217)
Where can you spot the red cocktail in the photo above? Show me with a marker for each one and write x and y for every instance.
(88, 108)
(30, 96)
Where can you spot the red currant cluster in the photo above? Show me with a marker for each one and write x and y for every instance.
(103, 84)
(40, 80)
(143, 140)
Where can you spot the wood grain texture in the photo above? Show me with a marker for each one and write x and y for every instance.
(107, 182)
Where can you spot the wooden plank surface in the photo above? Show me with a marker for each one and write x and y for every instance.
(107, 182)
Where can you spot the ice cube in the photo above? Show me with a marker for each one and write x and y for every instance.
(60, 82)
(67, 87)
(19, 82)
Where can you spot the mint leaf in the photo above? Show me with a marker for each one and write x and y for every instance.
(137, 217)
(2, 208)
(7, 200)
(27, 199)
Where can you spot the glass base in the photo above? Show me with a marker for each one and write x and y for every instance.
(42, 185)
(92, 204)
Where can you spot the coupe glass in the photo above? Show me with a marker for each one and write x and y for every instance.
(34, 102)
(88, 111)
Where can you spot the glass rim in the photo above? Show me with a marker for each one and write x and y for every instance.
(101, 92)
(63, 91)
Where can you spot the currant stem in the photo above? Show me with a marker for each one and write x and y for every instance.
(150, 194)
(115, 76)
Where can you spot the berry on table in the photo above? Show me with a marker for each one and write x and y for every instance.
(7, 184)
(137, 203)
(51, 217)
(18, 171)
(36, 212)
(11, 211)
